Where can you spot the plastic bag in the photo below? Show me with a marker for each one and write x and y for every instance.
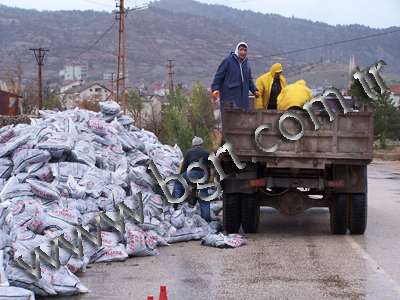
(42, 221)
(57, 144)
(13, 189)
(29, 156)
(98, 126)
(114, 253)
(221, 241)
(22, 211)
(69, 215)
(110, 107)
(137, 244)
(12, 144)
(16, 293)
(6, 133)
(61, 171)
(65, 283)
(43, 189)
(84, 153)
(6, 166)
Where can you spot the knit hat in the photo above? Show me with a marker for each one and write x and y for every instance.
(197, 141)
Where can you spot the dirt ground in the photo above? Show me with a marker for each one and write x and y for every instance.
(393, 165)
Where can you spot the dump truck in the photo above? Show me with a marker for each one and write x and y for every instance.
(326, 167)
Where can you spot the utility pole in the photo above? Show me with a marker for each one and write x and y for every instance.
(121, 48)
(112, 86)
(171, 83)
(121, 52)
(39, 58)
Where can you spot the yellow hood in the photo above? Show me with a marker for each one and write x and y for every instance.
(301, 81)
(275, 68)
(294, 95)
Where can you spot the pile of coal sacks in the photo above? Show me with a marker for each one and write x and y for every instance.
(67, 167)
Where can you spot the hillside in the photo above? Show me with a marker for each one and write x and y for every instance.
(197, 36)
(289, 34)
(196, 44)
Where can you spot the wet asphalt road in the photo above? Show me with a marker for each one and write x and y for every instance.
(288, 259)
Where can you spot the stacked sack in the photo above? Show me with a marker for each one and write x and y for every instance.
(65, 169)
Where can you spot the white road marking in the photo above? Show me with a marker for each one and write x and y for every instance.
(372, 264)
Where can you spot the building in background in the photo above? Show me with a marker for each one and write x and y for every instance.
(70, 84)
(395, 95)
(9, 104)
(76, 70)
(85, 93)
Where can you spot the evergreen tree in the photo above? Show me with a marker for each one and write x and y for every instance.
(386, 116)
(356, 89)
(186, 117)
(202, 114)
(176, 120)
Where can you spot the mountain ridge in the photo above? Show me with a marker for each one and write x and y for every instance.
(197, 36)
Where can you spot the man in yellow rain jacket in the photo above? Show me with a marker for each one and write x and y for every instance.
(294, 96)
(270, 86)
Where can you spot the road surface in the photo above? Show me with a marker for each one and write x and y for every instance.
(288, 259)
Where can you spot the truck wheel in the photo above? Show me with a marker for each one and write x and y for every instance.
(358, 208)
(232, 212)
(339, 213)
(250, 213)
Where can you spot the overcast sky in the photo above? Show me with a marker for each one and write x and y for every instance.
(373, 13)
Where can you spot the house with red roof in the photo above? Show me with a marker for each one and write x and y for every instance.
(395, 89)
(159, 88)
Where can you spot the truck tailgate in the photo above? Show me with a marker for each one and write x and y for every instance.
(348, 137)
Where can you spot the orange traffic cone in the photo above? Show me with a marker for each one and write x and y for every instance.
(163, 293)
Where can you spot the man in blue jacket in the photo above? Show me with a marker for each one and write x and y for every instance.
(233, 79)
(194, 155)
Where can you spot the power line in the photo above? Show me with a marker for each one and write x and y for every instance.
(142, 36)
(90, 46)
(149, 46)
(330, 44)
(151, 36)
(232, 2)
(142, 33)
(99, 3)
(98, 39)
(147, 28)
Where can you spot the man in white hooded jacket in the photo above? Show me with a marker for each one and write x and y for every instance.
(233, 79)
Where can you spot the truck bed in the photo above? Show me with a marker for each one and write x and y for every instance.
(347, 139)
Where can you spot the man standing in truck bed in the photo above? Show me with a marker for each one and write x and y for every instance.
(233, 80)
(270, 86)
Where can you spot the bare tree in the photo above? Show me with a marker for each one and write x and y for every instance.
(89, 103)
(13, 75)
(134, 105)
(154, 119)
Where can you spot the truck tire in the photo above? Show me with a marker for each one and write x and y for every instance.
(358, 208)
(232, 212)
(339, 213)
(250, 213)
